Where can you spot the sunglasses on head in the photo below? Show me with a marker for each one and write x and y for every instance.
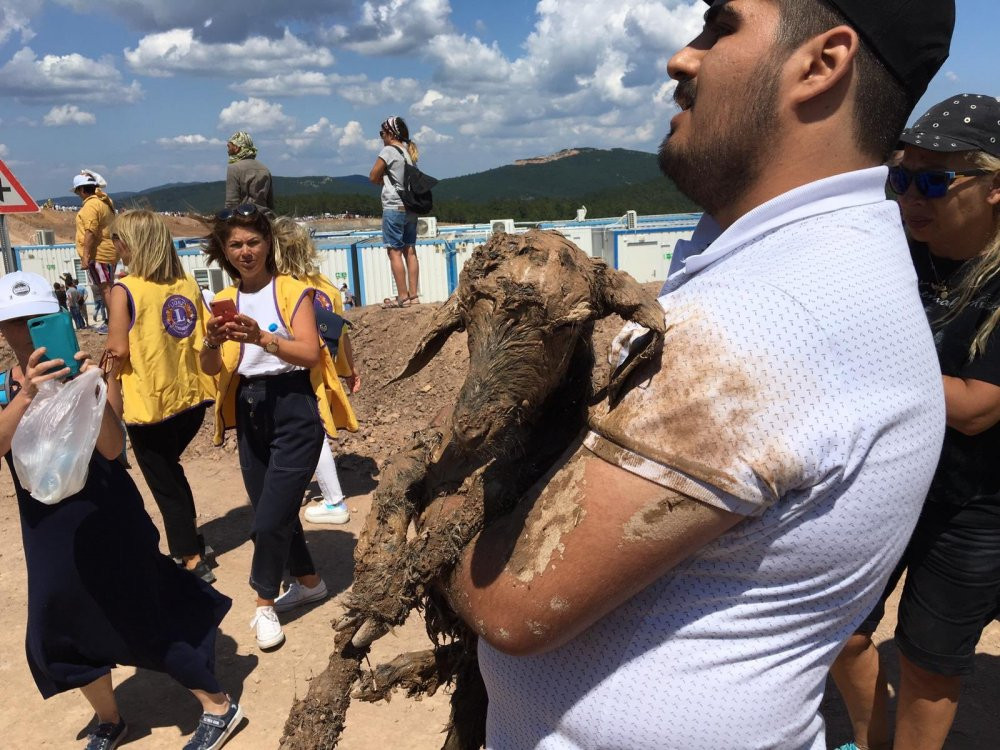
(931, 183)
(245, 210)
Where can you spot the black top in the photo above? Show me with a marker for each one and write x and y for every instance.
(969, 469)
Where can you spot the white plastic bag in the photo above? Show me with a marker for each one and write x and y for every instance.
(55, 439)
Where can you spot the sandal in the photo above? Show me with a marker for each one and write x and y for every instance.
(414, 300)
(391, 302)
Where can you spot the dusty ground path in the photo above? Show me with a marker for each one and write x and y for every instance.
(161, 712)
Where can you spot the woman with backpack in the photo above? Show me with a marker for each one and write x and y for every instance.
(399, 226)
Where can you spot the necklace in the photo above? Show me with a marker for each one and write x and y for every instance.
(938, 286)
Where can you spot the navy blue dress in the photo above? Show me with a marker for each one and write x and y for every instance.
(100, 593)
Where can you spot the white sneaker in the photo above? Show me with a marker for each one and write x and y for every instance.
(269, 633)
(296, 595)
(328, 513)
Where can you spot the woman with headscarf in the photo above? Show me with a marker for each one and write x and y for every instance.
(247, 180)
(399, 226)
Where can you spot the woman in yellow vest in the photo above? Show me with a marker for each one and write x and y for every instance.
(156, 327)
(273, 387)
(298, 258)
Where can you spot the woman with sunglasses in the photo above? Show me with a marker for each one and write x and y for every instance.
(399, 226)
(155, 329)
(272, 377)
(948, 183)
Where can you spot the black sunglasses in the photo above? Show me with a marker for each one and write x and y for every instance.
(931, 183)
(245, 210)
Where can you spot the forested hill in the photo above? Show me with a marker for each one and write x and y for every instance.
(607, 182)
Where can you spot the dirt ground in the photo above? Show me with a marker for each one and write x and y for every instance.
(21, 227)
(160, 712)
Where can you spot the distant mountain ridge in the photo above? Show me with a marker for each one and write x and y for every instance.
(525, 189)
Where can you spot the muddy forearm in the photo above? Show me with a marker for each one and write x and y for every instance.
(579, 545)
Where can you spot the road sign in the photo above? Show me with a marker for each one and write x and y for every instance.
(14, 198)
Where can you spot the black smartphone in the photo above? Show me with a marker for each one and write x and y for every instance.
(55, 332)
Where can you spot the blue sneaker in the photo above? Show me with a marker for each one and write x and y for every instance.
(848, 746)
(213, 731)
(107, 736)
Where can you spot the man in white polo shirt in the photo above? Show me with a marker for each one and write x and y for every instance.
(686, 576)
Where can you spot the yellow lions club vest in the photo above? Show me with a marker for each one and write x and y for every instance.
(334, 408)
(163, 377)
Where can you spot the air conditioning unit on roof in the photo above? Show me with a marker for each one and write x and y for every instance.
(427, 226)
(501, 225)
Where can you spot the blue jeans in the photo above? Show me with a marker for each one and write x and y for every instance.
(399, 228)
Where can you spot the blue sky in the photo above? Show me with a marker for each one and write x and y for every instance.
(147, 91)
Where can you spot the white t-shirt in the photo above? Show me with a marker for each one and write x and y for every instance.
(799, 387)
(262, 306)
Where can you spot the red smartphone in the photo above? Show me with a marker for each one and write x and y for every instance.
(225, 309)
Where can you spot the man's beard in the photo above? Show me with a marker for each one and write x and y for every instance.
(715, 168)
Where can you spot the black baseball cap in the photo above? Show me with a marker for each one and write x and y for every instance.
(912, 38)
(964, 122)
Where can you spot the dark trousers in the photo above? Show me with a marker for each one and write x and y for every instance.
(158, 448)
(77, 318)
(280, 436)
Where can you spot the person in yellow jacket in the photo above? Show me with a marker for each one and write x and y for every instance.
(97, 252)
(157, 325)
(298, 258)
(274, 387)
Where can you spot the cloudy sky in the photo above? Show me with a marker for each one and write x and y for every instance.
(147, 91)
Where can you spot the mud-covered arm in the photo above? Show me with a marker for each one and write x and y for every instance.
(587, 540)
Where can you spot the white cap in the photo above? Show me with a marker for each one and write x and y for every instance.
(87, 177)
(24, 294)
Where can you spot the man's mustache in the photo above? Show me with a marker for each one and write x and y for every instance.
(685, 93)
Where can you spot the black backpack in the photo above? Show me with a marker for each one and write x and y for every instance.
(415, 192)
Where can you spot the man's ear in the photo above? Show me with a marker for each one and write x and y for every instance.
(823, 62)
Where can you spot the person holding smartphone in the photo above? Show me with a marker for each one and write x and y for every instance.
(272, 388)
(100, 594)
(156, 327)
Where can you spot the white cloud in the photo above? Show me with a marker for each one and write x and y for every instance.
(429, 135)
(220, 20)
(393, 27)
(353, 136)
(4, 151)
(178, 51)
(17, 20)
(298, 83)
(255, 115)
(70, 77)
(68, 114)
(951, 75)
(389, 89)
(190, 141)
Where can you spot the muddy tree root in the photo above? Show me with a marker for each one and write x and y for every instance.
(419, 673)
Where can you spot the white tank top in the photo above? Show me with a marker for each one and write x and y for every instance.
(262, 306)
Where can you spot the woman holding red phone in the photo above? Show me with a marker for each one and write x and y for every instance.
(156, 326)
(271, 389)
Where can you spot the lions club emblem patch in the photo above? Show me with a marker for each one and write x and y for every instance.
(179, 316)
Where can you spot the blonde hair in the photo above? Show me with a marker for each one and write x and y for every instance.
(294, 250)
(984, 269)
(153, 255)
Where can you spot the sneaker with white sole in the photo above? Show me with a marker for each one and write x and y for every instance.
(107, 736)
(325, 512)
(296, 595)
(269, 632)
(214, 730)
